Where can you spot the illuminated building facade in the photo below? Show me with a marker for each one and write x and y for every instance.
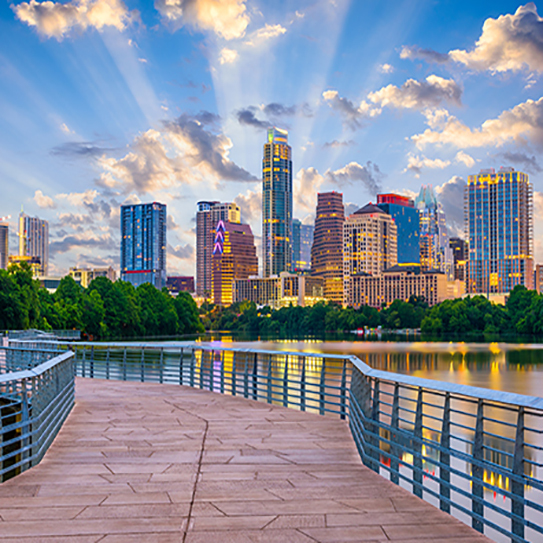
(4, 245)
(459, 249)
(276, 204)
(396, 283)
(33, 261)
(499, 227)
(327, 248)
(369, 245)
(143, 244)
(435, 252)
(179, 283)
(234, 257)
(34, 240)
(280, 291)
(406, 217)
(84, 276)
(302, 240)
(208, 215)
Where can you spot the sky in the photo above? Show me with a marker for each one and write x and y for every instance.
(105, 102)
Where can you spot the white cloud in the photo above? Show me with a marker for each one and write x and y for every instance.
(250, 204)
(451, 196)
(227, 56)
(520, 124)
(508, 43)
(465, 159)
(56, 20)
(416, 164)
(65, 129)
(79, 198)
(386, 68)
(43, 201)
(265, 33)
(226, 18)
(306, 185)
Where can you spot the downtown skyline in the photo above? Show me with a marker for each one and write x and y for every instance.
(112, 103)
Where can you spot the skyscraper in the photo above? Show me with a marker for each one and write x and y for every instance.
(208, 216)
(406, 217)
(302, 240)
(460, 254)
(234, 257)
(327, 248)
(370, 239)
(143, 244)
(276, 204)
(499, 227)
(34, 240)
(4, 245)
(435, 252)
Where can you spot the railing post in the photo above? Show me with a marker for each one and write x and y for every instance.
(161, 362)
(83, 361)
(234, 370)
(192, 367)
(246, 377)
(285, 383)
(211, 370)
(142, 365)
(343, 392)
(445, 457)
(270, 380)
(322, 387)
(517, 486)
(375, 437)
(395, 449)
(222, 357)
(91, 372)
(124, 364)
(477, 490)
(202, 366)
(25, 429)
(107, 363)
(181, 366)
(302, 384)
(417, 448)
(255, 377)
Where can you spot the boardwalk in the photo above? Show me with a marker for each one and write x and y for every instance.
(170, 464)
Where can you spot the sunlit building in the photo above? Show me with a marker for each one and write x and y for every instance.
(369, 245)
(179, 283)
(459, 249)
(34, 240)
(280, 291)
(406, 217)
(499, 227)
(327, 248)
(208, 215)
(396, 283)
(4, 245)
(435, 252)
(33, 261)
(302, 240)
(234, 257)
(276, 204)
(538, 278)
(84, 276)
(143, 244)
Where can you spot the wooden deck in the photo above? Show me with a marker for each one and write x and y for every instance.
(164, 463)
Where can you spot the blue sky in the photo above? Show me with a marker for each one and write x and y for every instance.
(110, 101)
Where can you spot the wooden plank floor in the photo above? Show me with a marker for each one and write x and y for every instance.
(164, 463)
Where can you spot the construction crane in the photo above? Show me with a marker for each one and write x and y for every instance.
(2, 219)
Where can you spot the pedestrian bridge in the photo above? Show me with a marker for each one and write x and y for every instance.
(167, 463)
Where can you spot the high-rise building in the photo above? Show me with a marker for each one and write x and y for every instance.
(302, 240)
(234, 257)
(327, 248)
(84, 276)
(459, 249)
(4, 245)
(276, 204)
(143, 244)
(406, 217)
(435, 252)
(499, 228)
(538, 278)
(207, 217)
(34, 240)
(370, 238)
(179, 283)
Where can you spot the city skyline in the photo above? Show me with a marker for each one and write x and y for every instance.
(131, 103)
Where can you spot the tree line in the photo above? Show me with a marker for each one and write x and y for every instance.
(104, 310)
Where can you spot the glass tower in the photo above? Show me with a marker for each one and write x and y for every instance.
(302, 240)
(34, 240)
(499, 227)
(276, 204)
(143, 244)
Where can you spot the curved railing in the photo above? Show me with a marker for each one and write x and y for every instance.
(36, 396)
(473, 452)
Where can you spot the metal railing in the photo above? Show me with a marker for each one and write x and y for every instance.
(36, 396)
(475, 453)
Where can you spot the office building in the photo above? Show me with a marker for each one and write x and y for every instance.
(34, 240)
(179, 283)
(208, 215)
(234, 257)
(84, 276)
(33, 261)
(327, 248)
(396, 283)
(280, 291)
(302, 240)
(459, 250)
(406, 217)
(4, 245)
(538, 278)
(435, 252)
(499, 227)
(143, 244)
(369, 245)
(276, 204)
